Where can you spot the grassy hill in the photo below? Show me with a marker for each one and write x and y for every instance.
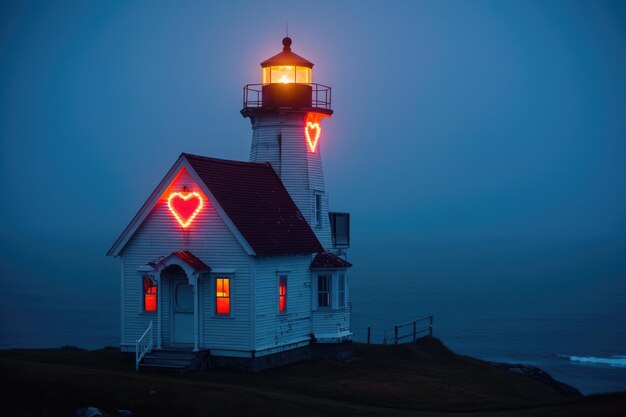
(421, 379)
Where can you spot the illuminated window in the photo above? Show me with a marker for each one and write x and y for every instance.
(222, 295)
(286, 74)
(318, 209)
(341, 291)
(323, 290)
(303, 75)
(149, 294)
(266, 75)
(282, 293)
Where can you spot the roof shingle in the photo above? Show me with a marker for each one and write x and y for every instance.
(326, 260)
(255, 199)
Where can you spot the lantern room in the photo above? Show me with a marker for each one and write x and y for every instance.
(287, 67)
(287, 84)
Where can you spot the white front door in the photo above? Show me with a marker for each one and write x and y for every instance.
(182, 312)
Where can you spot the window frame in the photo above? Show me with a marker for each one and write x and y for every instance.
(155, 284)
(341, 290)
(317, 208)
(283, 278)
(328, 291)
(216, 297)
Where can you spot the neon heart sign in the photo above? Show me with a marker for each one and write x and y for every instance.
(185, 207)
(312, 132)
(313, 129)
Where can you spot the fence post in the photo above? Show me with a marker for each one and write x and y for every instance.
(414, 330)
(430, 326)
(395, 334)
(369, 334)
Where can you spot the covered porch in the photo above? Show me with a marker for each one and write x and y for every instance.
(176, 300)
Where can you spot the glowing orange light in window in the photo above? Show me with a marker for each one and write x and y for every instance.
(313, 129)
(149, 294)
(282, 294)
(284, 79)
(185, 206)
(222, 295)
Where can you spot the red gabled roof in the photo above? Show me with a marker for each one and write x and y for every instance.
(326, 260)
(256, 201)
(286, 57)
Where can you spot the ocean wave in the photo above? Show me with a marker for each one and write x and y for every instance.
(619, 361)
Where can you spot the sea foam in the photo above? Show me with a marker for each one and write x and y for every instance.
(619, 361)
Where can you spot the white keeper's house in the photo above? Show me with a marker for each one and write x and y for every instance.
(241, 264)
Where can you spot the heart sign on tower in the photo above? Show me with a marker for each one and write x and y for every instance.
(312, 132)
(313, 129)
(185, 207)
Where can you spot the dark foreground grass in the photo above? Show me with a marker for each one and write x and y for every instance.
(424, 379)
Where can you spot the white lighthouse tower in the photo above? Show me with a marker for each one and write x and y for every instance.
(286, 112)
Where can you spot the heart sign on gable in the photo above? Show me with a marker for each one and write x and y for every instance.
(185, 206)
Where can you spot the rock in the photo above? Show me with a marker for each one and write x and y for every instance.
(538, 374)
(96, 412)
(88, 412)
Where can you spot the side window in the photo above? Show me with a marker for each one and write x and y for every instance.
(149, 294)
(282, 293)
(323, 290)
(341, 291)
(318, 209)
(222, 296)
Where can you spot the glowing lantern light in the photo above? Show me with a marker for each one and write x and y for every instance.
(185, 206)
(287, 67)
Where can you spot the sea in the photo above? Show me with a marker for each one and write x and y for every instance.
(559, 304)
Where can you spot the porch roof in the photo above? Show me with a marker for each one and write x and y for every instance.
(326, 260)
(185, 256)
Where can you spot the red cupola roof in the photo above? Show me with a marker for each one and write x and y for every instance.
(286, 57)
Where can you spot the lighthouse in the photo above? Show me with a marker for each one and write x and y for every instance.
(286, 112)
(241, 264)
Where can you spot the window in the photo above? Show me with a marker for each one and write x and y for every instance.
(149, 294)
(222, 296)
(282, 293)
(286, 74)
(340, 229)
(323, 290)
(318, 209)
(341, 291)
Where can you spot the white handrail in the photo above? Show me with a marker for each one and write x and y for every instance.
(145, 342)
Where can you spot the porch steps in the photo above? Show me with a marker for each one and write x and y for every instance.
(175, 360)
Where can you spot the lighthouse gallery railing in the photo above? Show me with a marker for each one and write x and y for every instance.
(321, 96)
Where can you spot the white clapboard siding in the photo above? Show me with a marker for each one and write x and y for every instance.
(331, 322)
(280, 140)
(210, 240)
(275, 329)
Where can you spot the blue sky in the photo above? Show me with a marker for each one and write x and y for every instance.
(453, 119)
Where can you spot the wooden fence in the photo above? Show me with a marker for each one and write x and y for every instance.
(406, 332)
